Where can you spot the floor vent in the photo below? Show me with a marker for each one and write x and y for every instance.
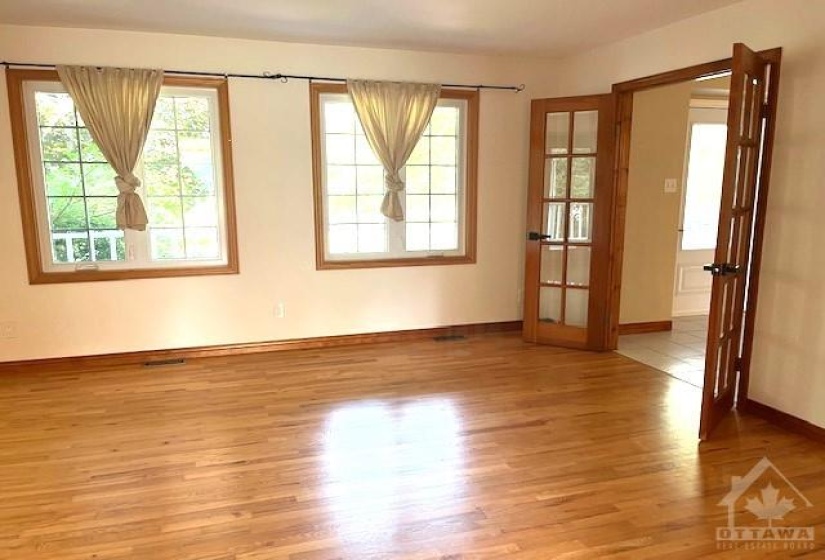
(170, 362)
(449, 337)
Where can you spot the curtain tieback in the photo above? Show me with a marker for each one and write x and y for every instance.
(127, 185)
(394, 183)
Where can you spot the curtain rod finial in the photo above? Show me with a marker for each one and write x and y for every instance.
(520, 88)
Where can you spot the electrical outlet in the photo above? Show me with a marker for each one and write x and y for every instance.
(8, 330)
(280, 310)
(671, 186)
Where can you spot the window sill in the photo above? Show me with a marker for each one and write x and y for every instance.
(41, 277)
(325, 264)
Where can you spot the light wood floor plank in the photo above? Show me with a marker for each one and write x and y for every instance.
(477, 449)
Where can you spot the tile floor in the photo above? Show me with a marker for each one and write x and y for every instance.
(679, 353)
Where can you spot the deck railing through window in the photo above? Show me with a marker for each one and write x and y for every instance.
(103, 245)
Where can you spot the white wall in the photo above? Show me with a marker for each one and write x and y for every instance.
(273, 185)
(789, 355)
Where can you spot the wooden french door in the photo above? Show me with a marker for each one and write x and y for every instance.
(741, 190)
(568, 220)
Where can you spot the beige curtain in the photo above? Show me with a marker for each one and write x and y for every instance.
(393, 116)
(117, 105)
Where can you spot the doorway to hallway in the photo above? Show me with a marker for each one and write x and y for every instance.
(679, 353)
(677, 155)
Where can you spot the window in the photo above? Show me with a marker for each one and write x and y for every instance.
(439, 198)
(68, 196)
(703, 191)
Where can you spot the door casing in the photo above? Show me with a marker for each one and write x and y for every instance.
(624, 114)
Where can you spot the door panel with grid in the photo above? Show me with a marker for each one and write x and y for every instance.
(740, 190)
(570, 179)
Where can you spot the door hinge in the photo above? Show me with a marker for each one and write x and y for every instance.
(737, 364)
(764, 111)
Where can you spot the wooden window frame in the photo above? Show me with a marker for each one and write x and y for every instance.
(16, 79)
(470, 188)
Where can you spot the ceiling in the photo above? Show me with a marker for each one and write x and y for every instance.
(534, 27)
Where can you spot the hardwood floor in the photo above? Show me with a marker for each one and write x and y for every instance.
(482, 448)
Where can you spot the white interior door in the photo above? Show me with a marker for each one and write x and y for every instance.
(701, 196)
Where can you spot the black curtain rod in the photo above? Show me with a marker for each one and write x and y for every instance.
(270, 76)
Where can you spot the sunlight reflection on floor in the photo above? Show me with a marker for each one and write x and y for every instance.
(382, 457)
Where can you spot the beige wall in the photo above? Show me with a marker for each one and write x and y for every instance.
(657, 152)
(789, 355)
(273, 182)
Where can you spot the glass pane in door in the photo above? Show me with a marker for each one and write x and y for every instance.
(581, 222)
(554, 220)
(584, 177)
(550, 305)
(555, 177)
(557, 133)
(576, 307)
(585, 126)
(578, 266)
(552, 264)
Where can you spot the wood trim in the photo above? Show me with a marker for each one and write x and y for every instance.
(230, 211)
(625, 91)
(20, 140)
(783, 420)
(599, 322)
(315, 91)
(141, 357)
(388, 263)
(471, 187)
(621, 176)
(648, 327)
(532, 252)
(674, 76)
(131, 274)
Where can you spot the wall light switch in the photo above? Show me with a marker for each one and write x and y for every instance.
(671, 185)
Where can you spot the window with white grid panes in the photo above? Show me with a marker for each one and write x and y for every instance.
(352, 187)
(74, 196)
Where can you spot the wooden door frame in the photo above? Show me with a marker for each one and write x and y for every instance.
(623, 93)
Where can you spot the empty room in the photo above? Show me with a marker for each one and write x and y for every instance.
(366, 280)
